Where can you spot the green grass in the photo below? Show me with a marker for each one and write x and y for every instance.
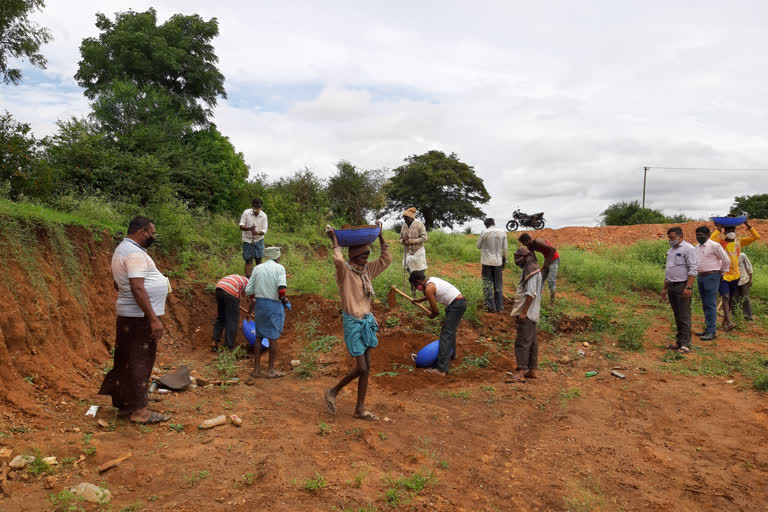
(632, 331)
(315, 483)
(226, 361)
(464, 394)
(196, 477)
(752, 365)
(323, 344)
(66, 501)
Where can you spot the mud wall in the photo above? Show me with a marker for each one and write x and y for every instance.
(58, 314)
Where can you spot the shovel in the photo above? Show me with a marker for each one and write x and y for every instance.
(392, 299)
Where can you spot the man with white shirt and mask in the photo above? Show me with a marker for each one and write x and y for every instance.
(713, 262)
(492, 243)
(438, 290)
(680, 272)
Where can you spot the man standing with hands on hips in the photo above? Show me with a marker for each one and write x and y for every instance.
(253, 224)
(678, 285)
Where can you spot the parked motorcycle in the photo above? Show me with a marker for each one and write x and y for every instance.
(535, 221)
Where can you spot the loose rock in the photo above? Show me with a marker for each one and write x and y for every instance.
(585, 344)
(235, 419)
(50, 482)
(565, 359)
(21, 461)
(92, 493)
(295, 363)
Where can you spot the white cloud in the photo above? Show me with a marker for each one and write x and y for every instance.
(557, 105)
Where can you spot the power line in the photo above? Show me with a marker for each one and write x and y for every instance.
(707, 169)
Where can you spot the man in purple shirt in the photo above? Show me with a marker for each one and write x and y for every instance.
(678, 285)
(712, 262)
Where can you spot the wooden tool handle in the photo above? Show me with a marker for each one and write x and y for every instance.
(411, 299)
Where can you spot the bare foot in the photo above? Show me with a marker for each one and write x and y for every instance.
(434, 371)
(531, 374)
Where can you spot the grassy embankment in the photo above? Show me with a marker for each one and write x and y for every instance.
(620, 283)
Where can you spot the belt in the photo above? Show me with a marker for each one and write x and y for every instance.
(708, 273)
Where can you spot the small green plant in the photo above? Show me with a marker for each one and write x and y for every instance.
(464, 394)
(176, 427)
(356, 431)
(144, 429)
(323, 344)
(392, 321)
(38, 466)
(66, 501)
(325, 429)
(19, 430)
(359, 477)
(568, 395)
(476, 361)
(442, 464)
(152, 498)
(87, 438)
(197, 477)
(633, 327)
(671, 357)
(314, 484)
(90, 451)
(308, 365)
(226, 361)
(383, 436)
(29, 379)
(132, 507)
(248, 479)
(392, 496)
(761, 382)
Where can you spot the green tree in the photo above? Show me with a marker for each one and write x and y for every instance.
(22, 171)
(354, 194)
(627, 213)
(20, 38)
(176, 57)
(445, 190)
(756, 206)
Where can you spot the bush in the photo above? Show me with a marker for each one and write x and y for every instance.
(627, 213)
(633, 329)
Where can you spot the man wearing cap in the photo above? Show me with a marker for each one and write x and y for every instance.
(267, 286)
(354, 280)
(413, 235)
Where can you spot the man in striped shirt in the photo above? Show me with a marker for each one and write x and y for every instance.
(229, 290)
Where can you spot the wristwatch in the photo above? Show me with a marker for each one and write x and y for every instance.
(689, 287)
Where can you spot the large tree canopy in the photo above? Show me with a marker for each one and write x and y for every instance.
(756, 206)
(354, 194)
(20, 38)
(443, 188)
(177, 57)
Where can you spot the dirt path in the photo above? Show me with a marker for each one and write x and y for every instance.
(654, 441)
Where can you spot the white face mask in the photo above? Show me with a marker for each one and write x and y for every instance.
(730, 236)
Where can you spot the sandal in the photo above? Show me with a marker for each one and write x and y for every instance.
(683, 350)
(512, 380)
(673, 346)
(330, 402)
(154, 417)
(368, 416)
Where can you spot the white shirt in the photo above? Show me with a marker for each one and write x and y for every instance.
(130, 260)
(745, 268)
(492, 243)
(248, 219)
(530, 288)
(445, 292)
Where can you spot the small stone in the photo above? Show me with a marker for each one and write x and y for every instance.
(51, 461)
(236, 420)
(565, 359)
(585, 344)
(102, 423)
(50, 482)
(76, 430)
(92, 493)
(730, 381)
(387, 419)
(25, 476)
(21, 461)
(295, 363)
(5, 454)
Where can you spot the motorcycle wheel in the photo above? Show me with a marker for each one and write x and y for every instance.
(512, 225)
(538, 224)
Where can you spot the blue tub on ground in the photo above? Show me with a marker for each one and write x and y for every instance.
(361, 235)
(730, 221)
(249, 331)
(427, 356)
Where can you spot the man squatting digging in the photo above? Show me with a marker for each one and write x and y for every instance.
(527, 310)
(437, 290)
(353, 279)
(141, 294)
(267, 285)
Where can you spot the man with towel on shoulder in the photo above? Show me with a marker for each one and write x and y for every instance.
(413, 235)
(354, 278)
(267, 285)
(526, 310)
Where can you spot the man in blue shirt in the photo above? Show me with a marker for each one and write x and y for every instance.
(681, 271)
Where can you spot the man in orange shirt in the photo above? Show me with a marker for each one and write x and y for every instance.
(729, 283)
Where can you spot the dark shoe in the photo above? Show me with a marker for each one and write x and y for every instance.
(702, 333)
(709, 336)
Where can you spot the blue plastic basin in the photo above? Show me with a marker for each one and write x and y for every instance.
(730, 221)
(249, 331)
(362, 235)
(427, 356)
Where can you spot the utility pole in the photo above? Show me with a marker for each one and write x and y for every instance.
(645, 177)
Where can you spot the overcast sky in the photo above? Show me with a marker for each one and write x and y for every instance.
(557, 105)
